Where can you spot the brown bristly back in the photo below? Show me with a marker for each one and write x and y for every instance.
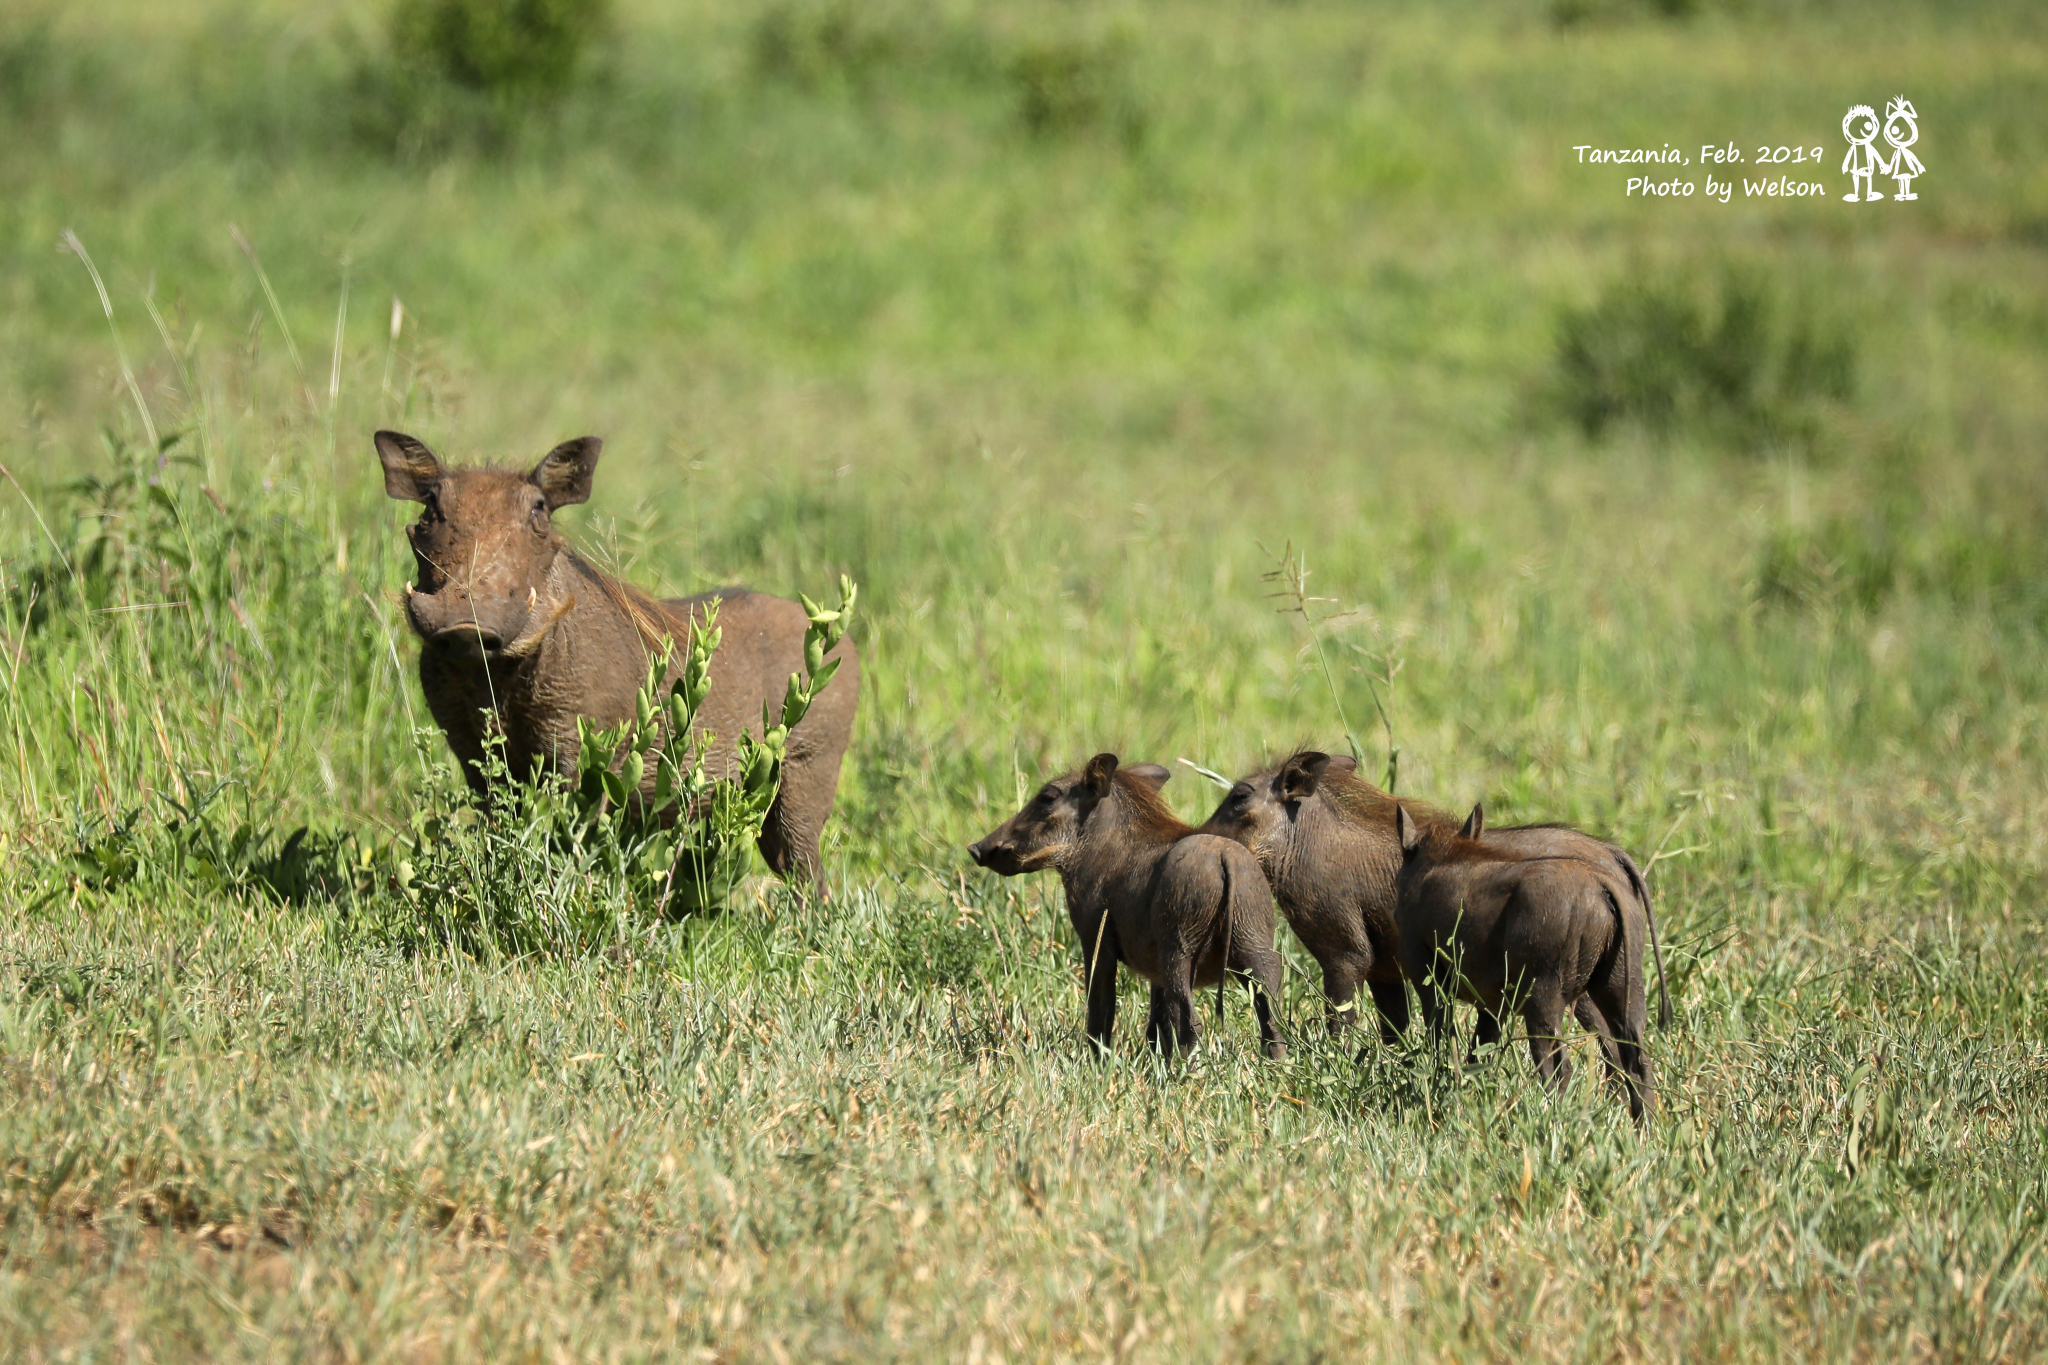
(1148, 809)
(1359, 800)
(646, 616)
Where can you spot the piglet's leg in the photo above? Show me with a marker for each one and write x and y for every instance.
(1436, 1012)
(1260, 969)
(1101, 966)
(1622, 1012)
(1341, 975)
(1158, 1027)
(1178, 1031)
(1594, 1021)
(1486, 1034)
(1543, 1013)
(1390, 998)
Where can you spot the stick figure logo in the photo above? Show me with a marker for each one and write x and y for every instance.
(1865, 163)
(1859, 125)
(1902, 130)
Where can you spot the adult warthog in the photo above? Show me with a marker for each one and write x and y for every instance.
(1329, 846)
(522, 636)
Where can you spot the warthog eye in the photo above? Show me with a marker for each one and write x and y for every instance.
(1048, 794)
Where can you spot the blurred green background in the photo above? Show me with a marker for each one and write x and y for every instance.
(1717, 528)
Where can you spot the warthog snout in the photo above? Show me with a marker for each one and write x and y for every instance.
(994, 855)
(469, 639)
(450, 622)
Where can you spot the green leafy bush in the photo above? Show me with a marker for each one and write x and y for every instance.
(471, 72)
(1056, 88)
(1844, 561)
(30, 69)
(1074, 86)
(932, 946)
(1724, 354)
(687, 847)
(573, 867)
(197, 844)
(527, 49)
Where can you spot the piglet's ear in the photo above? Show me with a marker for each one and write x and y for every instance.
(564, 474)
(1411, 833)
(1298, 778)
(410, 469)
(1099, 771)
(1150, 773)
(1475, 823)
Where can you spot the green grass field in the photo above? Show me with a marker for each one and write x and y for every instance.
(1057, 328)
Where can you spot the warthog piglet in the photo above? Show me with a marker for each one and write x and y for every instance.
(1548, 935)
(1176, 906)
(1326, 839)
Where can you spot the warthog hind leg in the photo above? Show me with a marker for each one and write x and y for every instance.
(1178, 1031)
(1340, 993)
(1485, 1034)
(1621, 1016)
(1543, 1014)
(1390, 999)
(1436, 1012)
(1258, 966)
(1157, 1028)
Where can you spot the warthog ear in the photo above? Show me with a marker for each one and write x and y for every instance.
(1298, 778)
(1411, 833)
(1475, 823)
(563, 476)
(1150, 772)
(410, 469)
(1099, 771)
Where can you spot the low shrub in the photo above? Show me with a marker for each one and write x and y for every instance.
(1075, 86)
(1724, 354)
(471, 72)
(1058, 88)
(530, 50)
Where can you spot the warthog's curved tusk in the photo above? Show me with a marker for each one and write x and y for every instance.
(528, 643)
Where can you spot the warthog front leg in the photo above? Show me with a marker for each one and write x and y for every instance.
(1103, 955)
